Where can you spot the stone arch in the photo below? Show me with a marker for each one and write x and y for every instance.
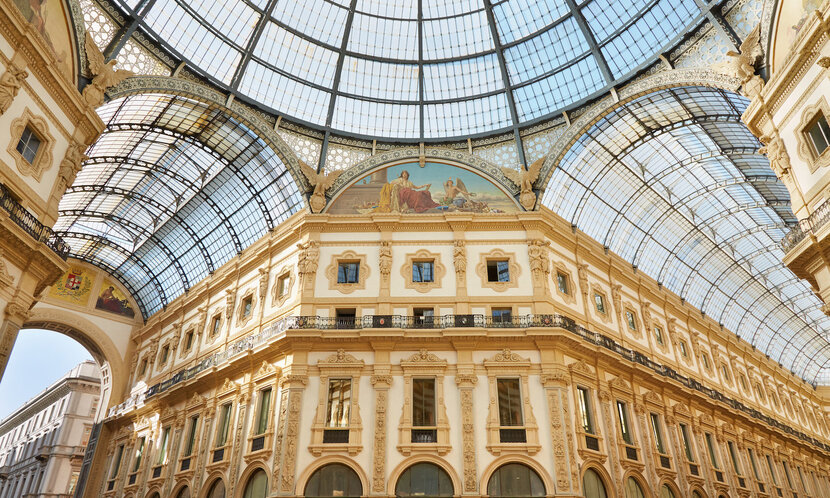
(474, 163)
(520, 459)
(659, 81)
(99, 344)
(250, 117)
(637, 476)
(409, 462)
(210, 480)
(607, 480)
(154, 489)
(174, 493)
(672, 486)
(318, 464)
(700, 491)
(242, 481)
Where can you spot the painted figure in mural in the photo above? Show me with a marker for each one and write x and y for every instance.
(110, 300)
(455, 193)
(401, 195)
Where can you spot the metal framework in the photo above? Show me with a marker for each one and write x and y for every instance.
(670, 182)
(172, 190)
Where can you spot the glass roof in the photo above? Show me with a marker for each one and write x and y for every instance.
(416, 70)
(672, 182)
(172, 190)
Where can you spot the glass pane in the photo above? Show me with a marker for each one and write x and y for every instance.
(515, 479)
(217, 490)
(585, 410)
(191, 437)
(817, 135)
(423, 402)
(264, 407)
(424, 480)
(339, 402)
(504, 271)
(592, 485)
(510, 402)
(666, 492)
(658, 435)
(622, 413)
(257, 486)
(633, 489)
(334, 480)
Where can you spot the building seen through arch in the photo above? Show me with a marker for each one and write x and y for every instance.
(498, 248)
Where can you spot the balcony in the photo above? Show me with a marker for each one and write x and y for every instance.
(27, 221)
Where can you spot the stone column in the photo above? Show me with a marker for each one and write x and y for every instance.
(14, 316)
(239, 440)
(566, 473)
(466, 382)
(204, 449)
(288, 429)
(613, 441)
(381, 382)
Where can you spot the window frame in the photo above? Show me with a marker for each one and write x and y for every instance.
(513, 270)
(347, 257)
(43, 157)
(338, 366)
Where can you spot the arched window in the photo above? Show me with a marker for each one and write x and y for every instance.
(666, 492)
(592, 485)
(257, 486)
(217, 489)
(515, 479)
(334, 479)
(695, 494)
(423, 480)
(154, 495)
(184, 493)
(633, 489)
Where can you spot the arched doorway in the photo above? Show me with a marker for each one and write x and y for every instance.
(424, 480)
(515, 479)
(334, 479)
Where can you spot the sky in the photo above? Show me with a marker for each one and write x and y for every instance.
(39, 358)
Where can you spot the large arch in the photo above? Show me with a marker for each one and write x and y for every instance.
(651, 177)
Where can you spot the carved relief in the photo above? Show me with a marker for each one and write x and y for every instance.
(320, 182)
(275, 480)
(106, 76)
(308, 259)
(557, 434)
(10, 83)
(525, 179)
(468, 440)
(70, 165)
(263, 285)
(459, 259)
(381, 384)
(291, 433)
(385, 259)
(539, 261)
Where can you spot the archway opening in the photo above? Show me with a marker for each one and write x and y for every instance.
(633, 489)
(424, 480)
(334, 479)
(593, 485)
(515, 479)
(257, 485)
(217, 489)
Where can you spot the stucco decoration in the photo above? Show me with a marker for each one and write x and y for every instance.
(435, 187)
(43, 157)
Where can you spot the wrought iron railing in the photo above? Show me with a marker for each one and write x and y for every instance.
(811, 224)
(27, 221)
(451, 321)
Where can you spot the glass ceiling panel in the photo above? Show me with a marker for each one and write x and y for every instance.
(370, 54)
(168, 196)
(664, 182)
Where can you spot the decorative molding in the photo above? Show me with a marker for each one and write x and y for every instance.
(459, 259)
(347, 257)
(437, 275)
(514, 269)
(308, 260)
(806, 151)
(43, 157)
(283, 273)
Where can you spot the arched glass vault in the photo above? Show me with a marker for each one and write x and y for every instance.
(673, 183)
(172, 189)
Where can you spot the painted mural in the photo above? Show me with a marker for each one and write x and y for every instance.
(434, 188)
(113, 300)
(49, 19)
(74, 286)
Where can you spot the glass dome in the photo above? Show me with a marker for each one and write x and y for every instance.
(421, 70)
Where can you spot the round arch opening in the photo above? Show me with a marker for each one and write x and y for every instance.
(633, 489)
(334, 479)
(257, 485)
(424, 480)
(593, 485)
(216, 489)
(515, 479)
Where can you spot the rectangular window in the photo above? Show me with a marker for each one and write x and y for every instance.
(599, 303)
(143, 369)
(712, 454)
(744, 385)
(262, 411)
(724, 371)
(116, 462)
(188, 341)
(282, 285)
(658, 335)
(705, 359)
(348, 272)
(753, 464)
(683, 349)
(247, 304)
(803, 482)
(191, 435)
(502, 315)
(562, 283)
(165, 435)
(339, 403)
(223, 424)
(345, 317)
(423, 402)
(819, 134)
(625, 430)
(498, 270)
(631, 320)
(28, 145)
(139, 452)
(658, 434)
(787, 474)
(586, 410)
(687, 442)
(772, 470)
(217, 322)
(422, 271)
(510, 402)
(165, 352)
(734, 456)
